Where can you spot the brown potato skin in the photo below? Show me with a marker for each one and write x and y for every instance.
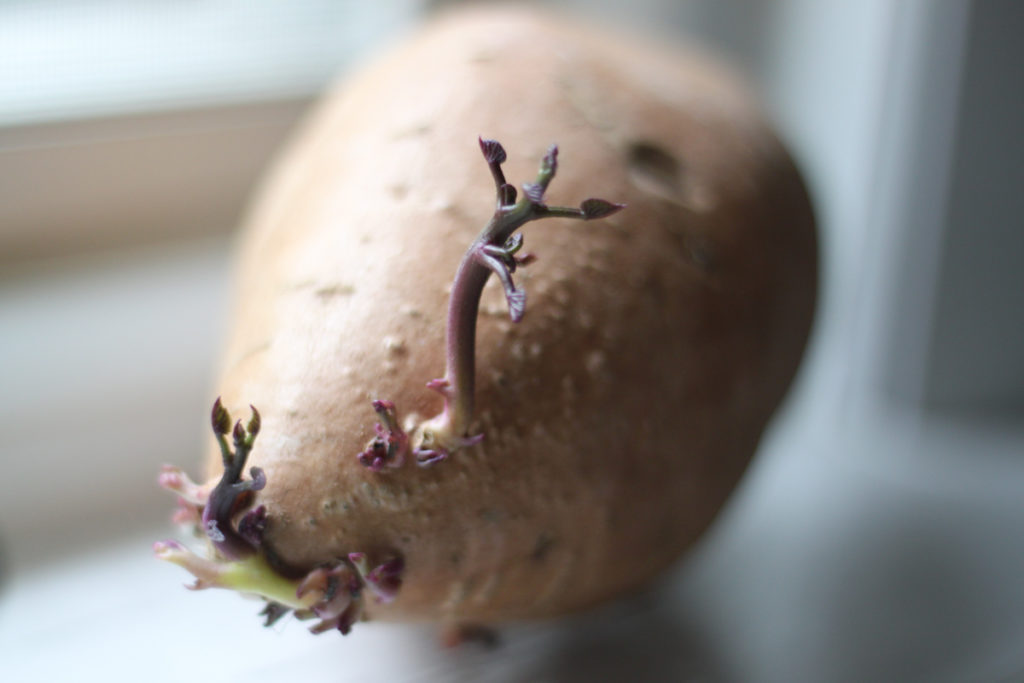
(620, 413)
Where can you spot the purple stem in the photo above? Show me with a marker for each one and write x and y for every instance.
(494, 250)
(483, 257)
(463, 307)
(232, 494)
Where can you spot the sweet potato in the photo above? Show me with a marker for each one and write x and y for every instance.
(616, 416)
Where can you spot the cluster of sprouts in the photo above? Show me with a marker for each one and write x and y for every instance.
(234, 529)
(236, 556)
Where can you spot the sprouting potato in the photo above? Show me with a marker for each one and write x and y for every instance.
(435, 444)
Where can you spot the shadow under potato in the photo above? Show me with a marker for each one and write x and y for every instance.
(642, 638)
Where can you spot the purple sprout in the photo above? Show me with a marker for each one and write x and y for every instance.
(495, 250)
(241, 560)
(390, 445)
(384, 580)
(338, 592)
(212, 510)
(340, 604)
(231, 495)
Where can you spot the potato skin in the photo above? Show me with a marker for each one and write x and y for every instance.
(620, 413)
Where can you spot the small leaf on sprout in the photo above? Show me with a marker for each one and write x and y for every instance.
(549, 164)
(220, 418)
(514, 243)
(254, 422)
(273, 612)
(599, 208)
(516, 304)
(359, 561)
(238, 434)
(385, 579)
(494, 153)
(430, 457)
(533, 192)
(348, 618)
(259, 479)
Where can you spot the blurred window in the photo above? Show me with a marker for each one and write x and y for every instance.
(63, 59)
(151, 119)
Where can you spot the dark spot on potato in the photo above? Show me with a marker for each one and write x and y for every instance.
(484, 636)
(542, 547)
(655, 170)
(701, 253)
(483, 57)
(331, 291)
(413, 131)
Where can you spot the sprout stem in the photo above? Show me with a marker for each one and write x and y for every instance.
(492, 251)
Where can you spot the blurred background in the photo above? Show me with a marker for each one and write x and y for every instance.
(880, 532)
